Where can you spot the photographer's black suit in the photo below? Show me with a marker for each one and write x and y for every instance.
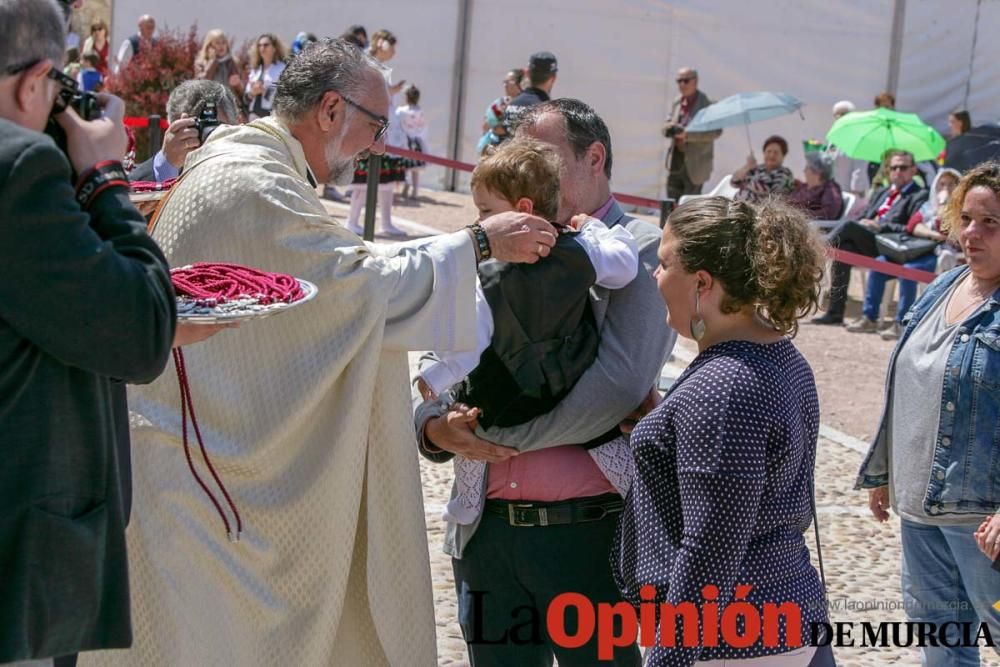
(85, 305)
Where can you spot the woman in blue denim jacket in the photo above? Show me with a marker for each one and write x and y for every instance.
(936, 455)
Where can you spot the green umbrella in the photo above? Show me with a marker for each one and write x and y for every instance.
(867, 135)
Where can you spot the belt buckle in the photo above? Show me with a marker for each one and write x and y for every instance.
(543, 519)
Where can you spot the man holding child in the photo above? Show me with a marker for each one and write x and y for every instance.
(546, 511)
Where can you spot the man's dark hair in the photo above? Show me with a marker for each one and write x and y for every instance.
(353, 39)
(538, 78)
(33, 30)
(896, 152)
(885, 100)
(583, 126)
(413, 95)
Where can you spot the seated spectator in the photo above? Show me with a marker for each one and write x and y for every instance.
(925, 223)
(819, 195)
(756, 182)
(184, 106)
(888, 210)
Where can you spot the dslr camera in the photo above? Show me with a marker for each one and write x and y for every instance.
(207, 121)
(69, 95)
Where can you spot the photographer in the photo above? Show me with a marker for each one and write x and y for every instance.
(189, 117)
(689, 159)
(85, 305)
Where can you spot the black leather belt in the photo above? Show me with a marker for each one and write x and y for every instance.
(522, 514)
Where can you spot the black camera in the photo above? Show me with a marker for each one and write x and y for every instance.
(69, 95)
(207, 121)
(672, 131)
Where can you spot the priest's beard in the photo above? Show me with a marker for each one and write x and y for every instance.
(341, 168)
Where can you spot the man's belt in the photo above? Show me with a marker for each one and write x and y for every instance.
(581, 510)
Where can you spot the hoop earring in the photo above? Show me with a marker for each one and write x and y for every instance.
(697, 323)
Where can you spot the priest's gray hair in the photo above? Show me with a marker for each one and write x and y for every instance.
(33, 30)
(330, 64)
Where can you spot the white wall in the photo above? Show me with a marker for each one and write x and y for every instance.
(620, 56)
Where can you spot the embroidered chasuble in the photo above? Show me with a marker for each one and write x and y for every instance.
(307, 418)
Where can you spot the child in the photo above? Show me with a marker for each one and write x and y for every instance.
(536, 333)
(89, 77)
(411, 120)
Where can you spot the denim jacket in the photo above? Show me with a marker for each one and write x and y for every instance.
(965, 473)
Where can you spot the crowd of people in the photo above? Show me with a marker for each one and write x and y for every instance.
(550, 316)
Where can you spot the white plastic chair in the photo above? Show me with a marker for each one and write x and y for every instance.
(826, 225)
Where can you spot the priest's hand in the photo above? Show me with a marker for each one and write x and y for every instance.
(188, 334)
(454, 432)
(519, 237)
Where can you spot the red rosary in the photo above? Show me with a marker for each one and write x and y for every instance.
(218, 283)
(210, 285)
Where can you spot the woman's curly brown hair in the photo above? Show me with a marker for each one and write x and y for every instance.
(986, 175)
(766, 255)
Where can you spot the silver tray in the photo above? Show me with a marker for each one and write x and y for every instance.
(190, 314)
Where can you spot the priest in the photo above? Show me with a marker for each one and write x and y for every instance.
(304, 415)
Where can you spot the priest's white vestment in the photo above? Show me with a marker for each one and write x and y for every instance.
(307, 418)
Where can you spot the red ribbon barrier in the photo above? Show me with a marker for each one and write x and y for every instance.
(141, 123)
(888, 268)
(464, 166)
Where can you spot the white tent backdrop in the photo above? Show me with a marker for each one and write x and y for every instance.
(620, 56)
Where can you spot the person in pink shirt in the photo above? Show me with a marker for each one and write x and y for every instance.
(545, 511)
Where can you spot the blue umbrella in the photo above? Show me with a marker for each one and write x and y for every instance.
(743, 109)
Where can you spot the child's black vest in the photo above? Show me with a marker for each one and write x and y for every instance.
(544, 335)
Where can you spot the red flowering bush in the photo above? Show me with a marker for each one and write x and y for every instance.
(146, 81)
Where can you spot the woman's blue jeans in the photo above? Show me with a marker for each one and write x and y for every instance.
(947, 579)
(907, 288)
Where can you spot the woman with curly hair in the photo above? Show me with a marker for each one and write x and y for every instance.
(722, 493)
(267, 61)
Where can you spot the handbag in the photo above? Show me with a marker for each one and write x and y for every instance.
(900, 248)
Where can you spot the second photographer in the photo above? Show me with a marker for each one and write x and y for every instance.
(190, 118)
